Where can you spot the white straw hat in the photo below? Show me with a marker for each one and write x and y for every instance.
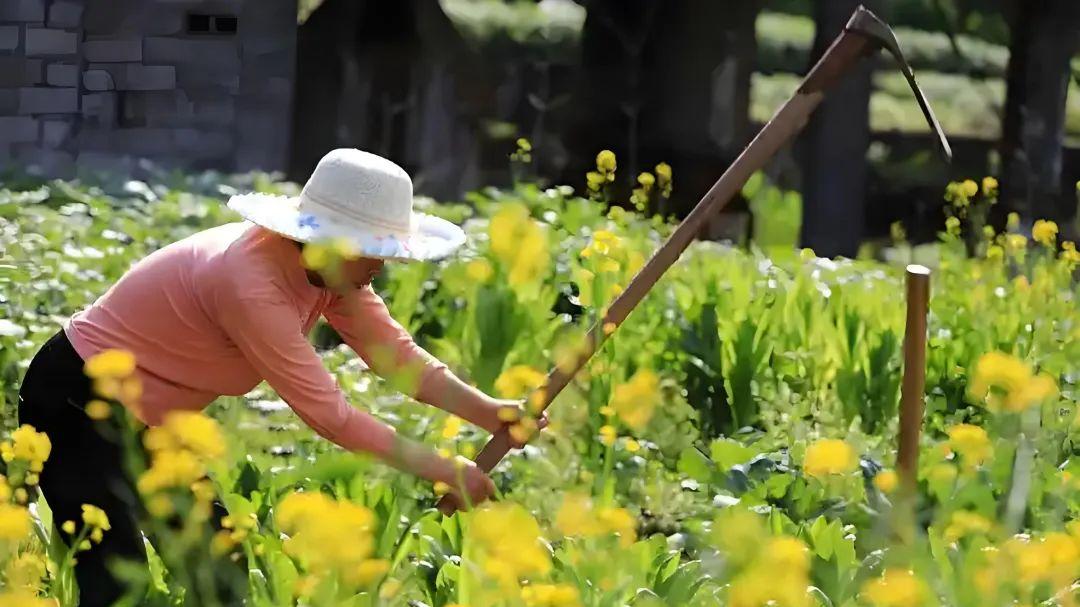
(363, 198)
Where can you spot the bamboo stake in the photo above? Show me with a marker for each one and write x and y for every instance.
(914, 383)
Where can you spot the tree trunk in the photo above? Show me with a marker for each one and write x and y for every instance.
(664, 81)
(834, 154)
(1045, 35)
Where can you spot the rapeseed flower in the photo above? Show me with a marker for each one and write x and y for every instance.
(886, 481)
(25, 572)
(971, 442)
(829, 456)
(187, 430)
(96, 520)
(964, 523)
(895, 588)
(14, 523)
(578, 516)
(451, 427)
(550, 595)
(24, 598)
(636, 400)
(328, 536)
(110, 364)
(508, 543)
(1007, 383)
(605, 162)
(1045, 232)
(1069, 253)
(28, 446)
(520, 244)
(479, 270)
(518, 381)
(98, 410)
(777, 575)
(989, 187)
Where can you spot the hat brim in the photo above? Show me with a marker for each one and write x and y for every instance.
(432, 237)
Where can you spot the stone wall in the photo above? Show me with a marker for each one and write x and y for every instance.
(89, 85)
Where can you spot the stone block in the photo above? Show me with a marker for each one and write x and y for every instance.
(64, 13)
(14, 72)
(55, 133)
(42, 100)
(9, 37)
(148, 78)
(204, 54)
(62, 74)
(32, 11)
(9, 101)
(145, 141)
(43, 41)
(113, 51)
(18, 129)
(99, 109)
(98, 80)
(34, 71)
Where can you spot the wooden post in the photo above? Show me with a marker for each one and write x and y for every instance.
(914, 384)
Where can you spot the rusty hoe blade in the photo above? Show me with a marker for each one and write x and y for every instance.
(868, 24)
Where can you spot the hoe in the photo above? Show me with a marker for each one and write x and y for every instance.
(863, 35)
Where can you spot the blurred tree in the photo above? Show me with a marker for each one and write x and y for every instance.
(664, 80)
(834, 148)
(362, 66)
(1045, 36)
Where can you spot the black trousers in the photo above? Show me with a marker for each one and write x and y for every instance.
(86, 465)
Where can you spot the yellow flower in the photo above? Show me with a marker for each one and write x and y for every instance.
(96, 520)
(895, 588)
(608, 435)
(777, 574)
(27, 445)
(68, 527)
(111, 364)
(24, 598)
(508, 543)
(989, 187)
(550, 595)
(520, 244)
(579, 517)
(605, 161)
(995, 253)
(451, 427)
(25, 572)
(636, 400)
(325, 535)
(479, 270)
(98, 410)
(187, 430)
(371, 571)
(952, 226)
(1069, 253)
(969, 188)
(171, 469)
(646, 180)
(1005, 382)
(1012, 222)
(606, 246)
(829, 456)
(886, 481)
(523, 430)
(897, 232)
(963, 523)
(14, 523)
(971, 442)
(632, 446)
(1045, 232)
(518, 381)
(1015, 242)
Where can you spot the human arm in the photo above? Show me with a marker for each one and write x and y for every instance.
(266, 330)
(363, 321)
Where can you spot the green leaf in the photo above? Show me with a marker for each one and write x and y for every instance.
(694, 464)
(728, 452)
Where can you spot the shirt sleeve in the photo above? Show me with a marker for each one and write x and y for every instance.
(364, 322)
(268, 332)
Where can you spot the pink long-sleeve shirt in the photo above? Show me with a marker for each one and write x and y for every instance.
(217, 312)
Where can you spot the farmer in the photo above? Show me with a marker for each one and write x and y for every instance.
(226, 308)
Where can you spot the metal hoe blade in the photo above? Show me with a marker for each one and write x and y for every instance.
(868, 24)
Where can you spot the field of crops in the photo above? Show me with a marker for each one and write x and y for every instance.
(732, 444)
